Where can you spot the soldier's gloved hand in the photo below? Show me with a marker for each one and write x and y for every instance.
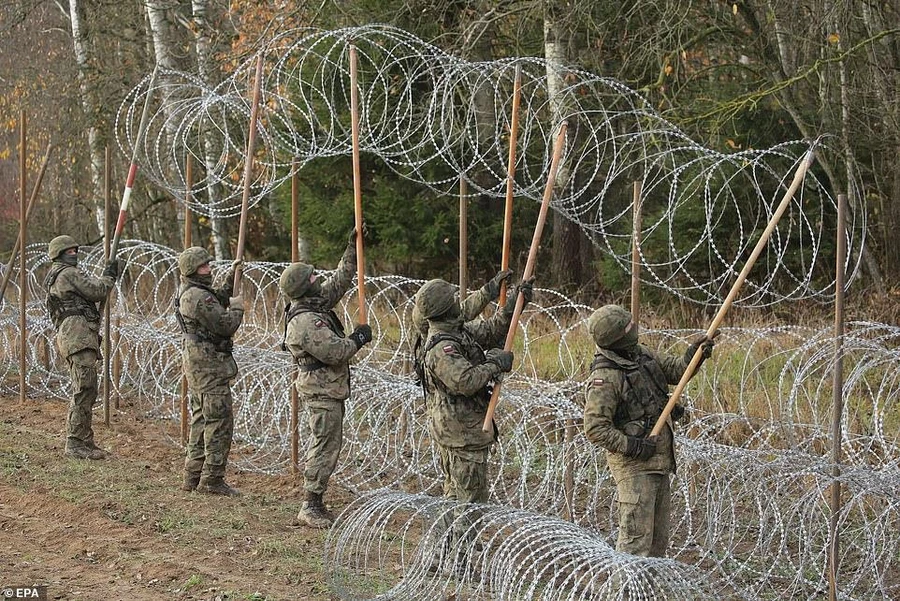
(703, 342)
(351, 238)
(502, 359)
(361, 335)
(641, 448)
(680, 413)
(112, 269)
(493, 286)
(236, 303)
(527, 289)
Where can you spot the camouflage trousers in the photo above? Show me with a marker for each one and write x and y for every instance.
(645, 501)
(83, 373)
(465, 481)
(326, 437)
(212, 428)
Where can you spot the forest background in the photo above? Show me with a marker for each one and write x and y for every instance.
(732, 75)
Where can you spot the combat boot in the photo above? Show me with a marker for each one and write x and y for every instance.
(191, 481)
(313, 512)
(80, 452)
(215, 485)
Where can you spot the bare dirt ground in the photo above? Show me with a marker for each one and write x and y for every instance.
(121, 529)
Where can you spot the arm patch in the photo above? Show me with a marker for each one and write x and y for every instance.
(449, 349)
(599, 382)
(320, 323)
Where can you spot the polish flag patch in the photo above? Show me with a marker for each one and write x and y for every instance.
(448, 349)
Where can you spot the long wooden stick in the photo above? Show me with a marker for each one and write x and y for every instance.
(510, 181)
(133, 168)
(31, 203)
(23, 230)
(838, 396)
(463, 236)
(729, 300)
(357, 188)
(636, 254)
(295, 256)
(488, 425)
(248, 174)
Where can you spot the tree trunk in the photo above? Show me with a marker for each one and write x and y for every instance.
(90, 105)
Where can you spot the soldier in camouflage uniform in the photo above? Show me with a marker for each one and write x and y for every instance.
(458, 380)
(315, 338)
(470, 309)
(625, 395)
(72, 298)
(208, 317)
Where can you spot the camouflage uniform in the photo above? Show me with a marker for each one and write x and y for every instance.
(458, 377)
(208, 322)
(316, 340)
(625, 395)
(72, 298)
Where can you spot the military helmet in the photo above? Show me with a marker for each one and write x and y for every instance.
(59, 245)
(191, 259)
(435, 298)
(607, 324)
(294, 280)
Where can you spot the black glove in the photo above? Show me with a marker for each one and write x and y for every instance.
(678, 412)
(361, 335)
(641, 448)
(502, 359)
(703, 342)
(351, 237)
(527, 289)
(112, 269)
(493, 286)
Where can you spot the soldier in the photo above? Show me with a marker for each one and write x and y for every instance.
(626, 393)
(470, 309)
(208, 318)
(458, 381)
(315, 338)
(72, 298)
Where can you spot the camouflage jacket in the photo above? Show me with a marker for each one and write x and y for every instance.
(624, 398)
(457, 380)
(76, 295)
(208, 327)
(316, 340)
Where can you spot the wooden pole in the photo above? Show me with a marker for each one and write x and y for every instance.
(488, 425)
(636, 255)
(23, 291)
(357, 188)
(187, 243)
(729, 300)
(31, 203)
(510, 182)
(248, 174)
(295, 256)
(107, 343)
(838, 389)
(463, 236)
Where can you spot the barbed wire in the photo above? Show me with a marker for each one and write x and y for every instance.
(749, 501)
(432, 117)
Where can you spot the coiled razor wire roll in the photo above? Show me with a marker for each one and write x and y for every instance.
(431, 116)
(750, 496)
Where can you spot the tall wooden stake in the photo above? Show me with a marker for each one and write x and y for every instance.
(636, 255)
(838, 389)
(488, 425)
(295, 256)
(23, 290)
(510, 181)
(729, 300)
(248, 174)
(357, 188)
(463, 236)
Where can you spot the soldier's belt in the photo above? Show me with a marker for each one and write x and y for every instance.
(308, 365)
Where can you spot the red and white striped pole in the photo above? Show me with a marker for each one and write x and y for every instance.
(132, 170)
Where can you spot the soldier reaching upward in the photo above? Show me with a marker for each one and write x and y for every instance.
(626, 393)
(315, 338)
(72, 298)
(208, 317)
